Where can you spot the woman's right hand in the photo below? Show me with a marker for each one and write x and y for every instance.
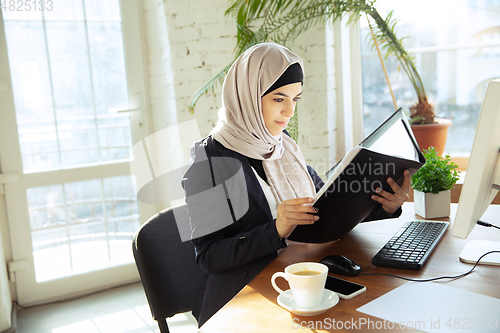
(294, 212)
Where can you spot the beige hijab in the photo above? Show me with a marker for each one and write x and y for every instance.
(241, 126)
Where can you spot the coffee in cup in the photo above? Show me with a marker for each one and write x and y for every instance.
(306, 273)
(306, 280)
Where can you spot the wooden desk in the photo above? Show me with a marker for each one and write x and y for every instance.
(255, 308)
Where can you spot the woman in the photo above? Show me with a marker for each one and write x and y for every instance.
(250, 167)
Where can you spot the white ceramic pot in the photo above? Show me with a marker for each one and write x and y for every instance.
(430, 205)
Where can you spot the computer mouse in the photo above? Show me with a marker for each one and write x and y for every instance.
(338, 264)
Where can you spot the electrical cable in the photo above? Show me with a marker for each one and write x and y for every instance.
(487, 224)
(438, 278)
(482, 223)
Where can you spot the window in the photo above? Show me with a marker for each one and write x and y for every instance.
(68, 74)
(73, 208)
(81, 226)
(457, 50)
(63, 121)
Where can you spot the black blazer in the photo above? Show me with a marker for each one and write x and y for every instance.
(232, 256)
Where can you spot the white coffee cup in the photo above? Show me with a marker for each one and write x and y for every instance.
(307, 282)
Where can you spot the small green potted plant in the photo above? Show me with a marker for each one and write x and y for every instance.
(432, 184)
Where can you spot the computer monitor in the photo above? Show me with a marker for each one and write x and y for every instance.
(482, 179)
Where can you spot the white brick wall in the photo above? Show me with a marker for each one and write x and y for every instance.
(161, 80)
(190, 41)
(312, 109)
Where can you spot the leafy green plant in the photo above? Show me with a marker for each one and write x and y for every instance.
(437, 174)
(281, 21)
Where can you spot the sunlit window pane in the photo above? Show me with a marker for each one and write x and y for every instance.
(69, 82)
(29, 70)
(106, 55)
(69, 10)
(83, 226)
(114, 138)
(102, 10)
(70, 69)
(456, 54)
(26, 11)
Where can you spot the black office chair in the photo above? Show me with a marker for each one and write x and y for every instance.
(166, 265)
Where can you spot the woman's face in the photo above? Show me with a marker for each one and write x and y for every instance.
(279, 105)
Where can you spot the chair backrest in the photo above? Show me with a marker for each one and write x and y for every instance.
(166, 265)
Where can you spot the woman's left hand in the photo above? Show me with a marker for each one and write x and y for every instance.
(391, 202)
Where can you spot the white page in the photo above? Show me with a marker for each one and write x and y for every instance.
(337, 171)
(396, 142)
(435, 307)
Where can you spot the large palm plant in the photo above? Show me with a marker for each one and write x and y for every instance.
(281, 21)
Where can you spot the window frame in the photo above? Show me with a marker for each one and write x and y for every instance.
(17, 240)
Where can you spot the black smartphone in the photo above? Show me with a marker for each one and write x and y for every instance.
(345, 289)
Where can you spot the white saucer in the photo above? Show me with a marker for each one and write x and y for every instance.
(329, 300)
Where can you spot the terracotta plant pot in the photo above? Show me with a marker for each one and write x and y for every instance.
(432, 134)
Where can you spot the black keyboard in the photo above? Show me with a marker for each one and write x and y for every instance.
(412, 245)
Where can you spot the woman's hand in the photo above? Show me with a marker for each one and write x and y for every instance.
(292, 213)
(391, 202)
